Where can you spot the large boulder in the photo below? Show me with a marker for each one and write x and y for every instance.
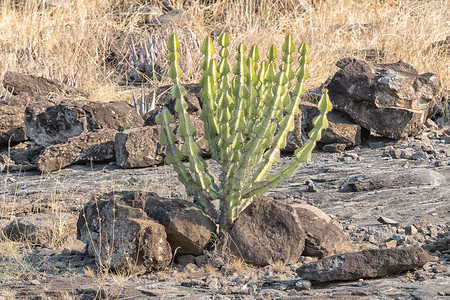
(322, 236)
(266, 232)
(87, 147)
(369, 263)
(342, 129)
(123, 238)
(188, 229)
(27, 158)
(48, 123)
(42, 229)
(12, 126)
(391, 100)
(19, 83)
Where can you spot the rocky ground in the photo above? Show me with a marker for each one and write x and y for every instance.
(356, 188)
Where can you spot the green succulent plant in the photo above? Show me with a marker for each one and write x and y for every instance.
(248, 110)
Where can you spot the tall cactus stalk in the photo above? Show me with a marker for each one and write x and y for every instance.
(247, 118)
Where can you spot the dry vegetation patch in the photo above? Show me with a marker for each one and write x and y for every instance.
(71, 41)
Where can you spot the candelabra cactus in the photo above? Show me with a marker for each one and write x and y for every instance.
(247, 118)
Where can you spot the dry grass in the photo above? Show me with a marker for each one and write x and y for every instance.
(73, 39)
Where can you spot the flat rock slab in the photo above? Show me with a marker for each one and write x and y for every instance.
(90, 147)
(369, 263)
(391, 179)
(51, 123)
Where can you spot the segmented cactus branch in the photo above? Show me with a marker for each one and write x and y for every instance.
(248, 112)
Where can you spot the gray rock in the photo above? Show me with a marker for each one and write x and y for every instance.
(48, 123)
(376, 95)
(334, 148)
(268, 231)
(301, 285)
(323, 237)
(123, 238)
(42, 229)
(387, 221)
(139, 147)
(184, 260)
(26, 158)
(88, 147)
(411, 230)
(365, 264)
(389, 180)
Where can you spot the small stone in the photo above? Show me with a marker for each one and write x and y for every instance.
(372, 239)
(419, 155)
(185, 259)
(216, 262)
(407, 153)
(302, 285)
(352, 155)
(433, 231)
(388, 244)
(200, 260)
(311, 187)
(334, 148)
(421, 276)
(214, 283)
(191, 268)
(411, 230)
(431, 124)
(398, 237)
(395, 153)
(387, 221)
(35, 282)
(428, 149)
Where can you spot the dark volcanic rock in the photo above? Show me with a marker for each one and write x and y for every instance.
(323, 237)
(123, 238)
(19, 83)
(188, 229)
(391, 100)
(41, 228)
(342, 129)
(88, 147)
(365, 264)
(268, 231)
(165, 99)
(49, 124)
(139, 147)
(12, 126)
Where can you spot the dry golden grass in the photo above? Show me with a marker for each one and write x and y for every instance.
(74, 38)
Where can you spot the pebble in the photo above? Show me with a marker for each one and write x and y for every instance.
(411, 230)
(302, 285)
(419, 155)
(311, 187)
(387, 221)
